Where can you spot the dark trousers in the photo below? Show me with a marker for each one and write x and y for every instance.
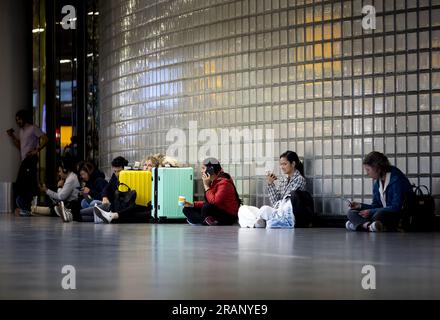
(389, 219)
(26, 185)
(198, 215)
(135, 214)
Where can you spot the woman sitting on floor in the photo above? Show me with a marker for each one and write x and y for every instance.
(390, 189)
(222, 200)
(280, 214)
(94, 185)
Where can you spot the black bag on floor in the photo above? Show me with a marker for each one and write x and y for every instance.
(124, 199)
(303, 208)
(419, 210)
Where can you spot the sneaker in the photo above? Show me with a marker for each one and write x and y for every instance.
(69, 215)
(210, 221)
(376, 226)
(261, 223)
(34, 203)
(63, 214)
(349, 226)
(57, 210)
(193, 224)
(24, 213)
(107, 217)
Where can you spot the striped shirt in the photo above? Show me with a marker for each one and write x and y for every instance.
(284, 187)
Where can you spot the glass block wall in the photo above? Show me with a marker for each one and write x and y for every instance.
(329, 89)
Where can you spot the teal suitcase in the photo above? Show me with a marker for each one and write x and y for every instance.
(168, 184)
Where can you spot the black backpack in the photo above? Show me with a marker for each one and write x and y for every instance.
(419, 210)
(303, 208)
(124, 200)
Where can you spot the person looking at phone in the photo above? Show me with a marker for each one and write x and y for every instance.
(66, 196)
(94, 185)
(221, 198)
(30, 141)
(390, 189)
(292, 179)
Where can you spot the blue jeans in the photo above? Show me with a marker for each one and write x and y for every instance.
(85, 204)
(389, 219)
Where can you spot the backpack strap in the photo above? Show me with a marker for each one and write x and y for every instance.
(123, 184)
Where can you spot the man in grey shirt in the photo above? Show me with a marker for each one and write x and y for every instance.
(30, 142)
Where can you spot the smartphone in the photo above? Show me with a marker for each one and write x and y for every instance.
(209, 171)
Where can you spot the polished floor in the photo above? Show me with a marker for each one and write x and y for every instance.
(178, 261)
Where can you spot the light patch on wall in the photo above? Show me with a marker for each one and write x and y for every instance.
(66, 134)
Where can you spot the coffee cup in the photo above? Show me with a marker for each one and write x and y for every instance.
(182, 201)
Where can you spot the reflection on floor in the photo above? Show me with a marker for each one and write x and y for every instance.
(178, 261)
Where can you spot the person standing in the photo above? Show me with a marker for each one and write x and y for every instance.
(30, 141)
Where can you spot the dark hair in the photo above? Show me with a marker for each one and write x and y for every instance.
(119, 162)
(379, 161)
(67, 164)
(25, 115)
(217, 168)
(87, 167)
(293, 157)
(213, 163)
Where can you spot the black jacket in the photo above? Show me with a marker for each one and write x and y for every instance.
(110, 189)
(96, 184)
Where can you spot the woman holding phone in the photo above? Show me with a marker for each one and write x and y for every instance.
(277, 215)
(221, 198)
(390, 189)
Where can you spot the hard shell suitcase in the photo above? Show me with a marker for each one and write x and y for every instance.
(139, 181)
(168, 185)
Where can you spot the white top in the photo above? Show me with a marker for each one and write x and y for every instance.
(29, 139)
(383, 188)
(68, 192)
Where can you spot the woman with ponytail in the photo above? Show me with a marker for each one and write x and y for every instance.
(274, 216)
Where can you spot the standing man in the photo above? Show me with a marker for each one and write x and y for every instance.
(30, 141)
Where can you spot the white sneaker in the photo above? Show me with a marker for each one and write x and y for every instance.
(34, 203)
(69, 215)
(349, 226)
(57, 210)
(63, 214)
(376, 226)
(107, 217)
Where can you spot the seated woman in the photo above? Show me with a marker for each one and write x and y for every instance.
(222, 199)
(390, 189)
(136, 214)
(279, 215)
(154, 161)
(66, 197)
(94, 184)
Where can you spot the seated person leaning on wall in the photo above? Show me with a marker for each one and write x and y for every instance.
(66, 197)
(390, 189)
(279, 215)
(94, 185)
(222, 199)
